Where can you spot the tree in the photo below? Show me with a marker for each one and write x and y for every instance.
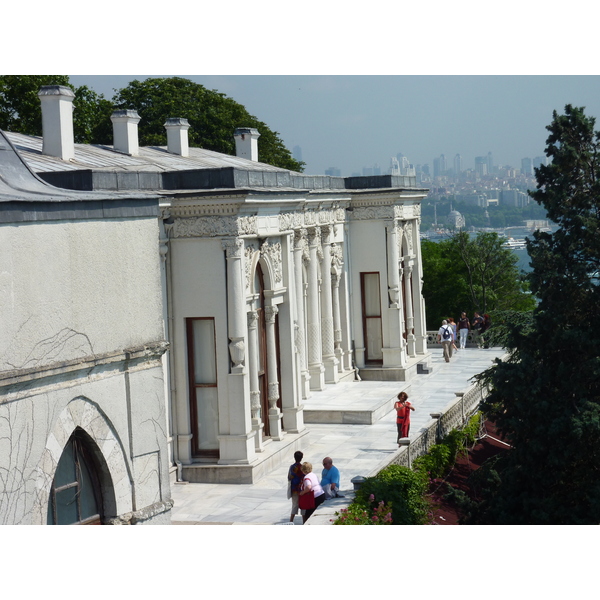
(545, 397)
(21, 110)
(213, 117)
(471, 274)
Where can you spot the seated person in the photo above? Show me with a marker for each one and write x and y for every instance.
(330, 479)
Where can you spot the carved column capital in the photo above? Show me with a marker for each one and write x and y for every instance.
(252, 319)
(326, 232)
(300, 236)
(233, 247)
(314, 236)
(271, 313)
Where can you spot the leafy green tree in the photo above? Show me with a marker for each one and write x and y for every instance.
(213, 117)
(471, 274)
(492, 277)
(20, 108)
(21, 111)
(91, 117)
(546, 397)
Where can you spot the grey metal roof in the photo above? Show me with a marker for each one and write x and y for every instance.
(18, 183)
(101, 167)
(151, 158)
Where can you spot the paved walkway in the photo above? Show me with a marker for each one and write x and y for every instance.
(355, 449)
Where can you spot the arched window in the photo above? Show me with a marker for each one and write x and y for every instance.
(75, 496)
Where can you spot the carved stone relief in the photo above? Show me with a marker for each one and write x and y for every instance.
(272, 253)
(213, 226)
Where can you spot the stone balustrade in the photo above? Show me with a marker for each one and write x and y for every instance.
(433, 343)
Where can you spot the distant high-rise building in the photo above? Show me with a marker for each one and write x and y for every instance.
(490, 163)
(481, 165)
(401, 166)
(439, 166)
(526, 166)
(297, 153)
(458, 165)
(514, 198)
(540, 160)
(333, 172)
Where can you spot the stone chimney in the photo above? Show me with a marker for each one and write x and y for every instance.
(125, 131)
(246, 143)
(57, 121)
(177, 136)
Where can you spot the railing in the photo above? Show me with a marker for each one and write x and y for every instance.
(455, 415)
(433, 343)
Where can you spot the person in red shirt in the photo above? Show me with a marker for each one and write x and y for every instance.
(403, 408)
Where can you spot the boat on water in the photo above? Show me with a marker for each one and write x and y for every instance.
(514, 244)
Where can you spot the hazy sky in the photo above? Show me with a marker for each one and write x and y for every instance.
(351, 122)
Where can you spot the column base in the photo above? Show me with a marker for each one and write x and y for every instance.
(184, 447)
(317, 377)
(236, 449)
(293, 419)
(257, 428)
(331, 369)
(275, 425)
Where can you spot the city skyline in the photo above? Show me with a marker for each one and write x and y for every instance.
(358, 121)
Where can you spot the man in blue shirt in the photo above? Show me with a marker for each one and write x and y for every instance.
(330, 479)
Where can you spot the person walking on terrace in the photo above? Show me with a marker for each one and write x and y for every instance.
(446, 336)
(403, 408)
(310, 483)
(477, 327)
(463, 329)
(453, 325)
(295, 477)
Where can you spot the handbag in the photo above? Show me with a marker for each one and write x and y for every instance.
(307, 501)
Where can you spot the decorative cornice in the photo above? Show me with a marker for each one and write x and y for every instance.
(213, 226)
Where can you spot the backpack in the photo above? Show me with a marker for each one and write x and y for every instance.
(446, 334)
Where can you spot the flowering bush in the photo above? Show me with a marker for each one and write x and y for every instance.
(361, 514)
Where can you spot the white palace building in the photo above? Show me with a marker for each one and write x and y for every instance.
(273, 286)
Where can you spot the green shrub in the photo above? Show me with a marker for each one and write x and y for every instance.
(359, 513)
(401, 488)
(402, 491)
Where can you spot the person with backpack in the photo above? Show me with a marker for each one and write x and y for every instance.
(446, 336)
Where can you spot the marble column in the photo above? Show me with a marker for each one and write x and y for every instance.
(299, 249)
(330, 362)
(236, 303)
(237, 446)
(393, 355)
(337, 320)
(275, 425)
(408, 298)
(257, 423)
(392, 266)
(315, 361)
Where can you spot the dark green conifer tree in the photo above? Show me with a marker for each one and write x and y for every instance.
(546, 396)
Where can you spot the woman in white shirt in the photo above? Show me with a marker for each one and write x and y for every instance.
(311, 483)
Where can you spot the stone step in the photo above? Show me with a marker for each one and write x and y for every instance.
(366, 411)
